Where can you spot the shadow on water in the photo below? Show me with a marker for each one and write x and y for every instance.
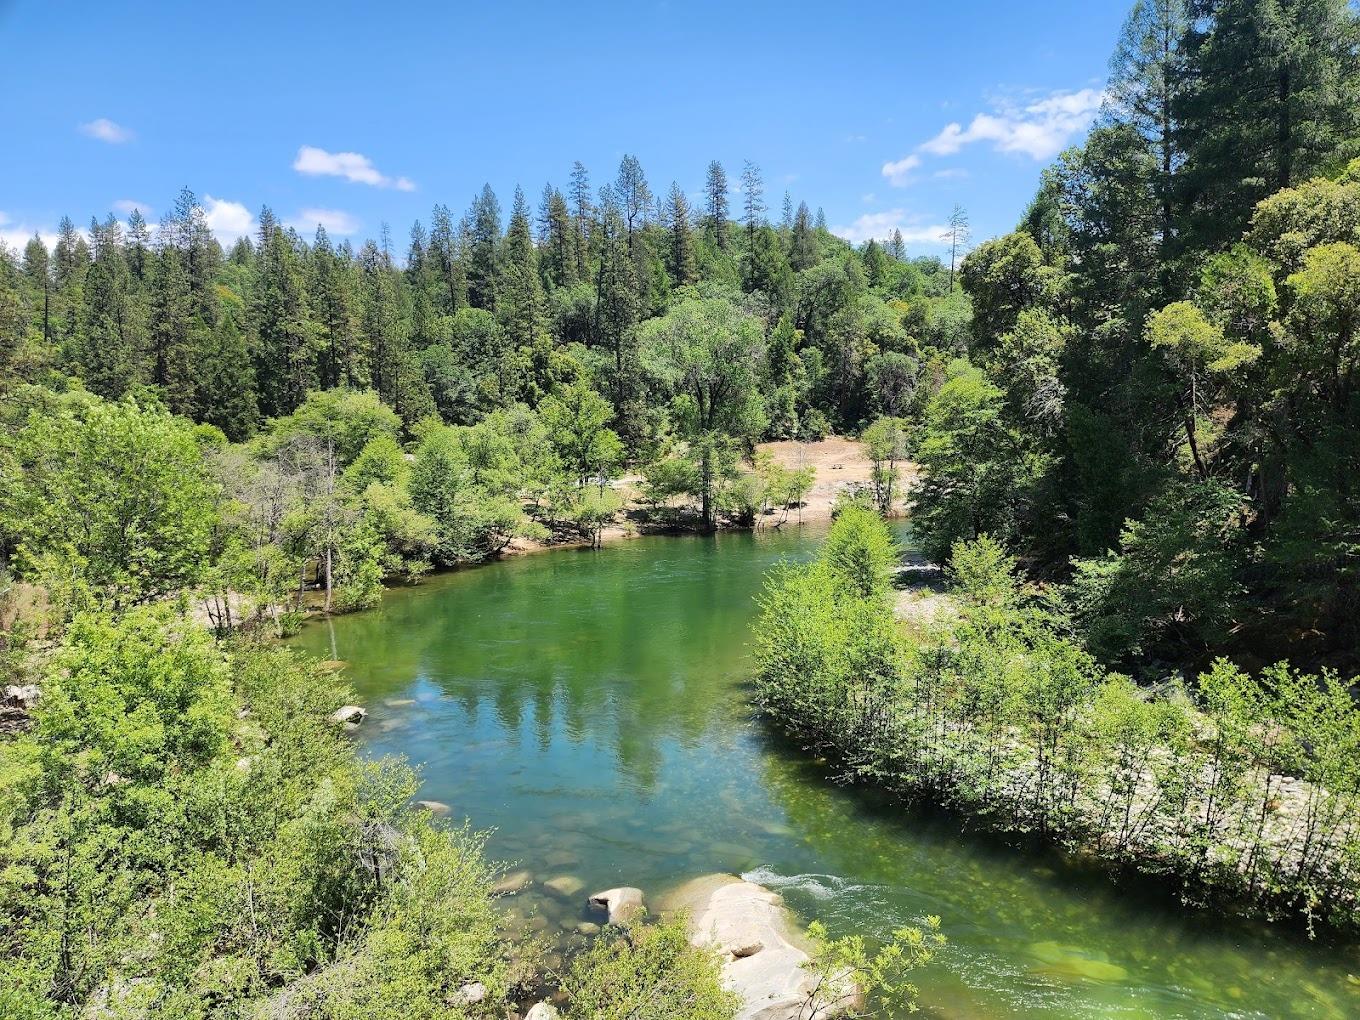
(589, 708)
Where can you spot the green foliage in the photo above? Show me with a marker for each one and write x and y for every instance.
(185, 834)
(647, 972)
(1243, 796)
(108, 504)
(878, 977)
(976, 472)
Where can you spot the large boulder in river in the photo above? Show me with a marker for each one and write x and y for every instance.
(623, 905)
(761, 949)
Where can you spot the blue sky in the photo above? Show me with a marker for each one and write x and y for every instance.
(884, 114)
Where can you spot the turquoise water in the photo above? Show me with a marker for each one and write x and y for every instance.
(589, 708)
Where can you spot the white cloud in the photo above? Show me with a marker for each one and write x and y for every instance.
(107, 131)
(1039, 129)
(953, 173)
(15, 235)
(899, 171)
(352, 166)
(228, 220)
(879, 226)
(868, 198)
(336, 221)
(126, 205)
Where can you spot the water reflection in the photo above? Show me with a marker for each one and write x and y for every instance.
(588, 706)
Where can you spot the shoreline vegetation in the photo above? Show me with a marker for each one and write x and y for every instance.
(1243, 791)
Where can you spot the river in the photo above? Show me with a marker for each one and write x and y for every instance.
(589, 707)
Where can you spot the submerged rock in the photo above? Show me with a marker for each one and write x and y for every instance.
(565, 885)
(434, 807)
(623, 905)
(763, 953)
(512, 882)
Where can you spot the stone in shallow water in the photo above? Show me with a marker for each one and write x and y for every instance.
(1075, 963)
(623, 905)
(434, 807)
(565, 885)
(512, 882)
(762, 951)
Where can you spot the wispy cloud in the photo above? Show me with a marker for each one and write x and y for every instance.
(352, 166)
(106, 130)
(336, 221)
(1039, 129)
(879, 226)
(228, 220)
(950, 173)
(14, 234)
(126, 205)
(899, 171)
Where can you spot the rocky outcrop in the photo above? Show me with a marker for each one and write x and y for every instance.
(761, 949)
(542, 1011)
(623, 905)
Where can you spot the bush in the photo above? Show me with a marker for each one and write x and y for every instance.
(648, 972)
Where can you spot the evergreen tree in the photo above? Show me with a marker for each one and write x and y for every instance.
(339, 361)
(285, 366)
(110, 346)
(753, 202)
(483, 248)
(582, 211)
(616, 317)
(715, 207)
(633, 195)
(1275, 97)
(803, 247)
(446, 259)
(681, 253)
(559, 249)
(521, 293)
(1147, 90)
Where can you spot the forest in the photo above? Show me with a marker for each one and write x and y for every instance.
(1136, 438)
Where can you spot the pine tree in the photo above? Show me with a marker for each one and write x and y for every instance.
(521, 293)
(70, 263)
(1147, 90)
(896, 246)
(957, 236)
(285, 366)
(681, 254)
(37, 269)
(138, 247)
(446, 258)
(616, 316)
(483, 248)
(803, 246)
(582, 212)
(110, 345)
(558, 264)
(753, 202)
(332, 307)
(715, 208)
(633, 196)
(1275, 98)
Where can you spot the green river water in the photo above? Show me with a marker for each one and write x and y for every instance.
(590, 708)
